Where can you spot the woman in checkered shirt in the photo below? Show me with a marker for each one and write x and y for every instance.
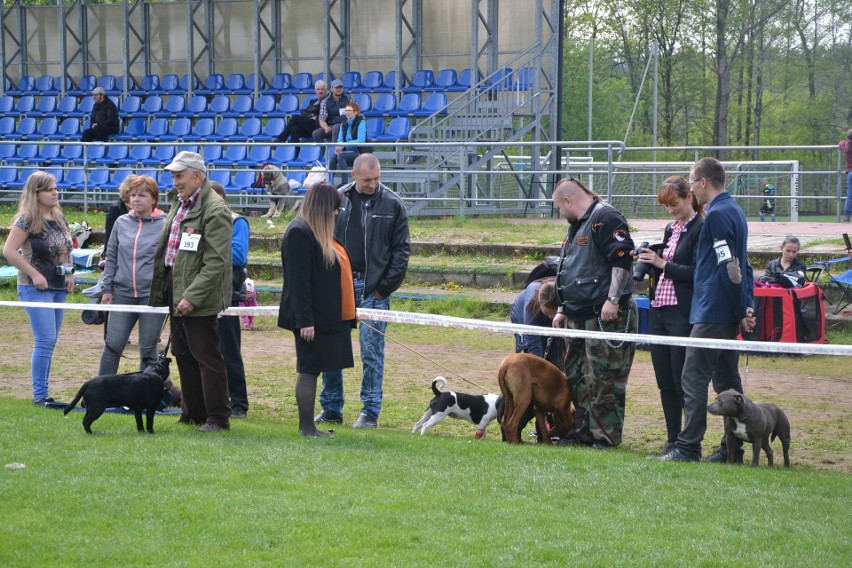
(671, 295)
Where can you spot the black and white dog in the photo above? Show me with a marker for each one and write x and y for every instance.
(478, 409)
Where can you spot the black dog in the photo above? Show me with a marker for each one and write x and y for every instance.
(138, 391)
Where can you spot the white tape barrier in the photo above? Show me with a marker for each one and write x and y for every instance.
(495, 327)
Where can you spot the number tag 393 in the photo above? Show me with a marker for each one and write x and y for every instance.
(189, 242)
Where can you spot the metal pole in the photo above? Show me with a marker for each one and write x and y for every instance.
(591, 78)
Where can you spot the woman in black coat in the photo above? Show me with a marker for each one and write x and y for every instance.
(671, 295)
(318, 299)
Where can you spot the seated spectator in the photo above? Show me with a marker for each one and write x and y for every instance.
(788, 262)
(331, 114)
(304, 124)
(353, 131)
(104, 120)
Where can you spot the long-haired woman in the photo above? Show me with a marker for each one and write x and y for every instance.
(39, 246)
(318, 299)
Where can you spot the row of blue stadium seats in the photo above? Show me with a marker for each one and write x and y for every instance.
(180, 130)
(103, 179)
(446, 80)
(220, 106)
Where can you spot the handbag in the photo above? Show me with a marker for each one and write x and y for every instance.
(318, 174)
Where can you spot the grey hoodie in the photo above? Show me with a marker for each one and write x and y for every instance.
(130, 254)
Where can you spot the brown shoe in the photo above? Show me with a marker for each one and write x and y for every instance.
(209, 427)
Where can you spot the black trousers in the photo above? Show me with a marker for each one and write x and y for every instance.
(98, 133)
(672, 321)
(230, 342)
(298, 127)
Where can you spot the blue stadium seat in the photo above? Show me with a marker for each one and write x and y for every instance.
(151, 106)
(240, 108)
(187, 148)
(120, 84)
(114, 155)
(264, 106)
(524, 79)
(197, 104)
(183, 86)
(235, 83)
(214, 84)
(7, 84)
(398, 129)
(71, 153)
(289, 104)
(222, 176)
(250, 85)
(49, 154)
(66, 106)
(241, 182)
(384, 103)
(200, 130)
(465, 80)
(69, 129)
(107, 83)
(169, 84)
(177, 130)
(351, 81)
(25, 129)
(8, 175)
(248, 130)
(148, 86)
(421, 81)
(46, 105)
(283, 155)
(21, 179)
(173, 108)
(435, 103)
(499, 80)
(7, 151)
(155, 130)
(230, 157)
(24, 86)
(164, 180)
(134, 129)
(73, 180)
(160, 156)
(372, 81)
(298, 177)
(23, 107)
(278, 85)
(130, 106)
(46, 128)
(226, 128)
(7, 103)
(92, 152)
(217, 107)
(408, 105)
(271, 130)
(389, 84)
(308, 156)
(302, 83)
(136, 155)
(115, 179)
(321, 77)
(375, 127)
(45, 85)
(257, 156)
(25, 154)
(211, 153)
(84, 108)
(365, 102)
(84, 86)
(63, 82)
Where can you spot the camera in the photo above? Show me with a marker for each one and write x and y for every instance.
(64, 269)
(642, 268)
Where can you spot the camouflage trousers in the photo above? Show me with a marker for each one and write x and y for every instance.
(597, 373)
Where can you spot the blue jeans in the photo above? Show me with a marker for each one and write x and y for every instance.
(45, 324)
(847, 211)
(372, 356)
(119, 326)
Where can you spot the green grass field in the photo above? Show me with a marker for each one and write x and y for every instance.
(262, 495)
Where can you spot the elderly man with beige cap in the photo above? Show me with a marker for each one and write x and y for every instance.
(193, 253)
(104, 120)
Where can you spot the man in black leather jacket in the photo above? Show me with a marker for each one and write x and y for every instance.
(104, 120)
(373, 226)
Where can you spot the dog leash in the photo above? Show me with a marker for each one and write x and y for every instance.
(447, 370)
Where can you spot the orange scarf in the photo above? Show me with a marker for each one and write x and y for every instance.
(347, 284)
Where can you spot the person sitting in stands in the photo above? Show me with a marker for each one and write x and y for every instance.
(331, 113)
(302, 125)
(352, 131)
(104, 119)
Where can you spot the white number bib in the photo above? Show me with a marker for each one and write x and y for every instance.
(723, 252)
(189, 241)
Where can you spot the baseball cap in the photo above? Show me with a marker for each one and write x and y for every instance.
(187, 160)
(336, 83)
(98, 91)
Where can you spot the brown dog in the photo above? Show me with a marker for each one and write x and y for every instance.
(527, 379)
(276, 184)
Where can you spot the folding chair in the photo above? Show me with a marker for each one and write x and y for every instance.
(842, 281)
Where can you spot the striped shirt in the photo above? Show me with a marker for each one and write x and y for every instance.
(174, 230)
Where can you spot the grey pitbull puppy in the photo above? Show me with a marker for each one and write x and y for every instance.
(752, 422)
